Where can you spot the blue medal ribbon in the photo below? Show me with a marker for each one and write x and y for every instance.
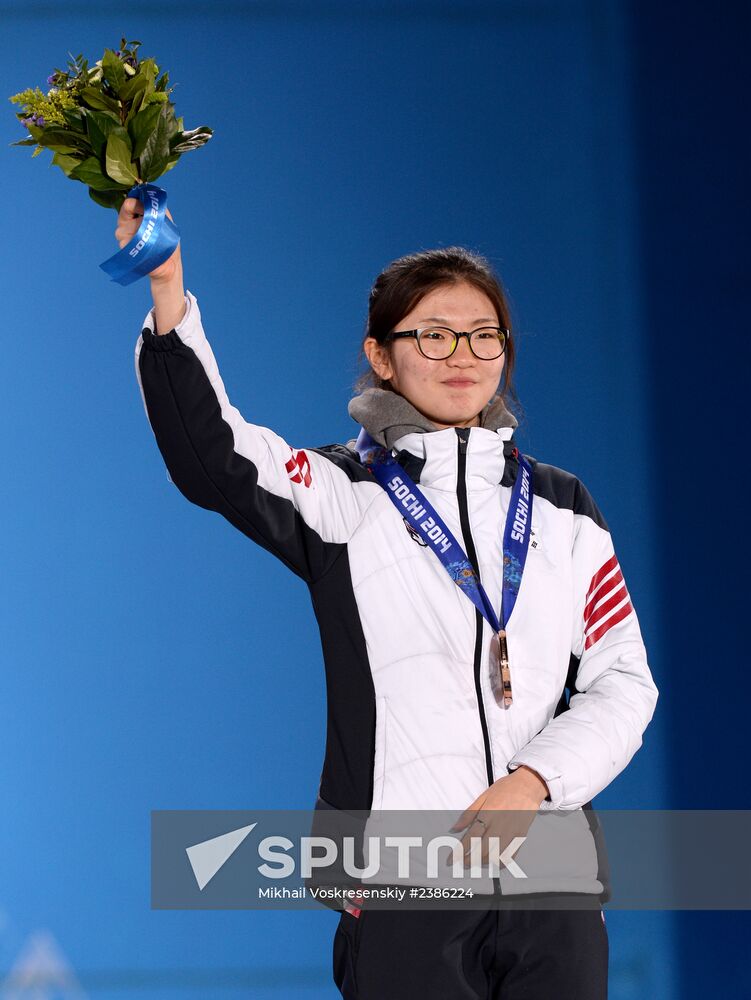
(417, 510)
(154, 242)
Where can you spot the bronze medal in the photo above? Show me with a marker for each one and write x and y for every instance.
(503, 668)
(500, 673)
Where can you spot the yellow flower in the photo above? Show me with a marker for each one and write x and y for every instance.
(49, 107)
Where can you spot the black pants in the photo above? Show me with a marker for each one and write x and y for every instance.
(457, 954)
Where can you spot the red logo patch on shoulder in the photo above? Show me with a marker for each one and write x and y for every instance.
(298, 467)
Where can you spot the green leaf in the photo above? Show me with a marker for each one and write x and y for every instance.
(135, 105)
(54, 133)
(156, 153)
(76, 119)
(108, 199)
(96, 99)
(173, 129)
(149, 69)
(59, 147)
(171, 163)
(100, 125)
(141, 126)
(24, 142)
(185, 141)
(203, 133)
(133, 86)
(66, 163)
(91, 173)
(118, 159)
(63, 141)
(113, 70)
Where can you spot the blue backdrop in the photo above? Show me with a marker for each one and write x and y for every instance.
(154, 658)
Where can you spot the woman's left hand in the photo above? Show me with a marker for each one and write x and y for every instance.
(506, 811)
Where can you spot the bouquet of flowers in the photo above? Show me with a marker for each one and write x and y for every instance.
(111, 126)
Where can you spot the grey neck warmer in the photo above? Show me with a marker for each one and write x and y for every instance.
(387, 416)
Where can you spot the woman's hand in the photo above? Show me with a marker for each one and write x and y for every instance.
(505, 810)
(166, 280)
(128, 221)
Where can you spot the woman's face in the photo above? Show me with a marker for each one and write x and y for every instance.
(452, 392)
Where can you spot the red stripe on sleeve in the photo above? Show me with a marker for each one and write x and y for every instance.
(595, 636)
(602, 591)
(601, 573)
(612, 602)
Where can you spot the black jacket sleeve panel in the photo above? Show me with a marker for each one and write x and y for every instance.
(299, 505)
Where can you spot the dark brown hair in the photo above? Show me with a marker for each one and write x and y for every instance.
(400, 286)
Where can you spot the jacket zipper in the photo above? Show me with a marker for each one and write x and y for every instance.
(469, 548)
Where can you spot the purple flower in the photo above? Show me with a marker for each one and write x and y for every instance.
(27, 121)
(51, 78)
(39, 121)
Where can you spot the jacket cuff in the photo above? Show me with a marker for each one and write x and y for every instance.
(552, 780)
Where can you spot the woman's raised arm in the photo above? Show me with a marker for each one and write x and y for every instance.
(166, 280)
(301, 505)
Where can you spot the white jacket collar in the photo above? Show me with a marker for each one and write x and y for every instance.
(440, 452)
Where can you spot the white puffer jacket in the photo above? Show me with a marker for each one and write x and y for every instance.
(413, 719)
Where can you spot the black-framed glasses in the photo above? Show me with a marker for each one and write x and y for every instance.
(439, 342)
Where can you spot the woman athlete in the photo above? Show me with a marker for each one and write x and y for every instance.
(482, 652)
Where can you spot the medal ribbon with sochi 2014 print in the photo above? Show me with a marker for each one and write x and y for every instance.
(411, 503)
(152, 245)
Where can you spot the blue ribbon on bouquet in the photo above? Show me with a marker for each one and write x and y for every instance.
(155, 241)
